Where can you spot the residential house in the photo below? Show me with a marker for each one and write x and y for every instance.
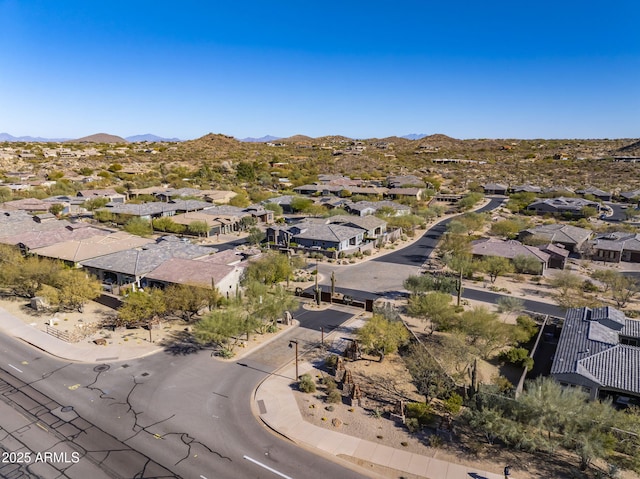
(631, 196)
(220, 270)
(130, 267)
(617, 246)
(599, 352)
(284, 202)
(315, 235)
(570, 237)
(562, 206)
(259, 212)
(109, 193)
(405, 181)
(364, 208)
(595, 192)
(76, 250)
(526, 188)
(72, 205)
(399, 193)
(216, 224)
(27, 204)
(373, 226)
(509, 249)
(157, 209)
(495, 189)
(28, 240)
(558, 255)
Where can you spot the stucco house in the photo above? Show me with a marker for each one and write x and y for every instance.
(570, 237)
(562, 206)
(599, 352)
(617, 246)
(509, 249)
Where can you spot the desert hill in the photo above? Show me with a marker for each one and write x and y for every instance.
(99, 138)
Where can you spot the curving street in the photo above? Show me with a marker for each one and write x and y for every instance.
(178, 413)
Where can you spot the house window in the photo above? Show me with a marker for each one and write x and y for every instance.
(629, 341)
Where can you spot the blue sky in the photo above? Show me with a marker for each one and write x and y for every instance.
(468, 69)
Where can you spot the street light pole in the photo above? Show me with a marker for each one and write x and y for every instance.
(294, 341)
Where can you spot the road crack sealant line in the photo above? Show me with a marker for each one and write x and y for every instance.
(137, 428)
(15, 385)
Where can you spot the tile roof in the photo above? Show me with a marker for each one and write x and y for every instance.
(143, 259)
(617, 241)
(560, 233)
(190, 271)
(589, 346)
(324, 232)
(80, 250)
(507, 249)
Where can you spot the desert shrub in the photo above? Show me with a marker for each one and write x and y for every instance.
(331, 361)
(420, 411)
(306, 384)
(589, 287)
(413, 425)
(519, 357)
(453, 403)
(329, 383)
(334, 396)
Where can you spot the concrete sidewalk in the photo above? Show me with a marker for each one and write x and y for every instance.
(86, 352)
(277, 407)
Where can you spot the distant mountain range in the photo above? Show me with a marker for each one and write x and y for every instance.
(414, 136)
(106, 138)
(149, 137)
(31, 139)
(263, 139)
(97, 138)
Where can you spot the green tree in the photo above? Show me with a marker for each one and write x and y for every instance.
(5, 194)
(200, 228)
(527, 264)
(221, 327)
(75, 288)
(187, 300)
(245, 171)
(382, 336)
(495, 266)
(483, 330)
(142, 306)
(300, 204)
(420, 284)
(93, 204)
(510, 304)
(508, 228)
(56, 208)
(434, 308)
(256, 236)
(428, 376)
(275, 207)
(271, 268)
(567, 287)
(470, 200)
(265, 305)
(138, 226)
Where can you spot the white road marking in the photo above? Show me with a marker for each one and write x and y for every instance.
(267, 467)
(202, 476)
(12, 366)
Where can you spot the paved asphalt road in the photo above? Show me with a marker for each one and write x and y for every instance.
(178, 413)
